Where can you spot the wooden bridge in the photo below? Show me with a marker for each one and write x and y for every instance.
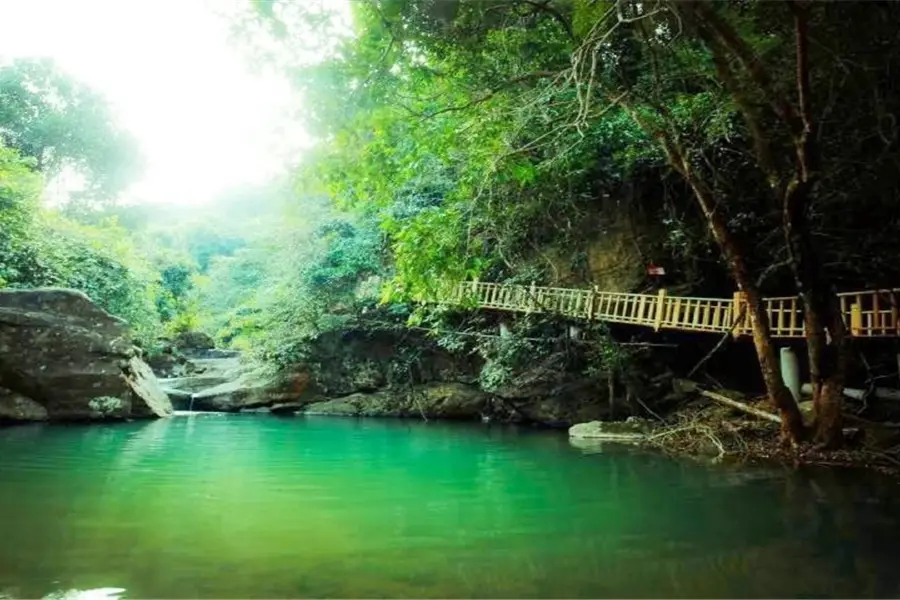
(870, 314)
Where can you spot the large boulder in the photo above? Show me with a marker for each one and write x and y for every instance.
(192, 341)
(247, 390)
(60, 351)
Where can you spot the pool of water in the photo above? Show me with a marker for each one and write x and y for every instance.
(251, 506)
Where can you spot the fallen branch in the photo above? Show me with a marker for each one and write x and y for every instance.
(686, 385)
(740, 406)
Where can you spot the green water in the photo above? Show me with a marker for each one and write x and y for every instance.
(261, 507)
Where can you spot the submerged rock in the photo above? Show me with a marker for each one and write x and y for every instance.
(60, 351)
(632, 430)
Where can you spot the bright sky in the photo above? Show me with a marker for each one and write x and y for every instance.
(205, 123)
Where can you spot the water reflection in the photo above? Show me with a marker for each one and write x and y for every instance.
(249, 506)
(108, 593)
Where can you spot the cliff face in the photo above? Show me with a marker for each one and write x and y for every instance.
(404, 373)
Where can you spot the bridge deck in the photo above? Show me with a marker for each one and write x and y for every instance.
(870, 314)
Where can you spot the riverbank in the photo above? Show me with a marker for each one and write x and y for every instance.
(704, 429)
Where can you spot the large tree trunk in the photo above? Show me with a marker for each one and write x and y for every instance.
(821, 312)
(792, 429)
(821, 308)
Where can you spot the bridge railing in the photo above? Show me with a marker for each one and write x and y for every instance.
(870, 313)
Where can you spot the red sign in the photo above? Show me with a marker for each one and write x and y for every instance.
(654, 270)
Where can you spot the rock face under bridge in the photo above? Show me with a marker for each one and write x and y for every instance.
(64, 358)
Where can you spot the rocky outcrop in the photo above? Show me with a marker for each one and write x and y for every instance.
(16, 407)
(169, 363)
(361, 361)
(549, 395)
(218, 381)
(369, 373)
(433, 401)
(192, 341)
(248, 390)
(61, 352)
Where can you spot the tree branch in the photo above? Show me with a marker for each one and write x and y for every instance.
(490, 94)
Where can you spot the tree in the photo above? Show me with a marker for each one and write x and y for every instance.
(527, 114)
(62, 123)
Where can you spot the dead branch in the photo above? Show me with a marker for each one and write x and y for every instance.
(688, 385)
(737, 322)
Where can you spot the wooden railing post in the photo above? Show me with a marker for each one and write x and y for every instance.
(738, 302)
(660, 309)
(592, 295)
(894, 327)
(532, 297)
(856, 319)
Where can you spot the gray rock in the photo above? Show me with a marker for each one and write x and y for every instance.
(349, 406)
(64, 353)
(194, 340)
(195, 383)
(248, 390)
(433, 401)
(16, 407)
(450, 401)
(632, 430)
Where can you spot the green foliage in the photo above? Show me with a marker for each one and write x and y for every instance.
(504, 357)
(39, 248)
(60, 123)
(20, 190)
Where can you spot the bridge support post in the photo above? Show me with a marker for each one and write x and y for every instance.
(790, 372)
(856, 319)
(504, 329)
(574, 332)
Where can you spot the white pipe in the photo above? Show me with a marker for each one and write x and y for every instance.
(790, 372)
(881, 393)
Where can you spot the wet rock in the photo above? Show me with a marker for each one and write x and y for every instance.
(248, 390)
(285, 408)
(354, 405)
(432, 401)
(195, 383)
(632, 430)
(16, 407)
(450, 401)
(66, 354)
(549, 395)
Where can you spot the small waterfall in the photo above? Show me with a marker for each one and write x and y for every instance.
(191, 405)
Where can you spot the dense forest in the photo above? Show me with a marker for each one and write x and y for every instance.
(740, 145)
